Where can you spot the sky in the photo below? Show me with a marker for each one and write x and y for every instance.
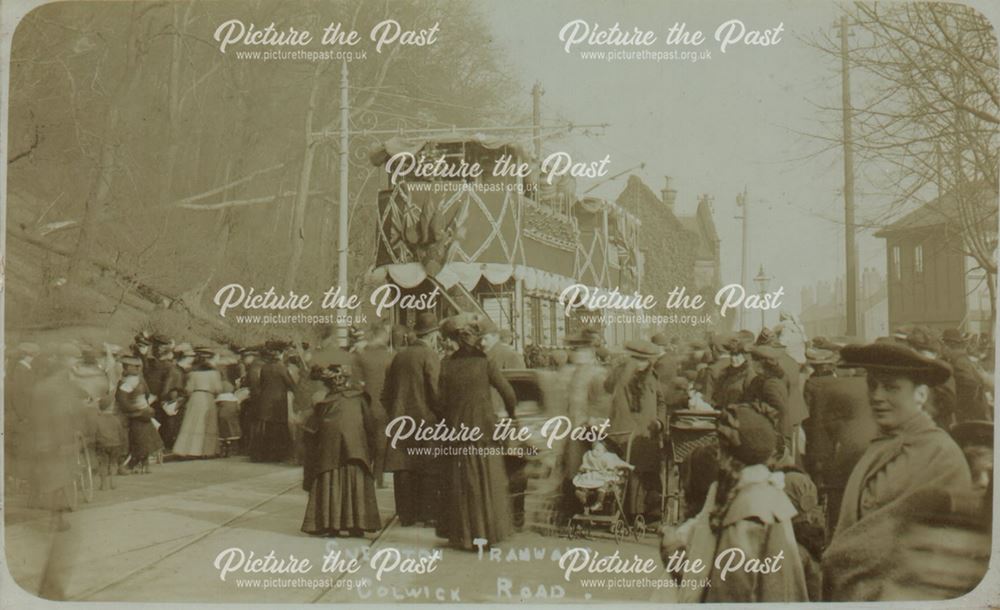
(736, 120)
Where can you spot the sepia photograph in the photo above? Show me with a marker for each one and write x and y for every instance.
(480, 302)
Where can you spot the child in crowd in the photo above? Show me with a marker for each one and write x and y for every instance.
(134, 401)
(111, 443)
(599, 470)
(229, 422)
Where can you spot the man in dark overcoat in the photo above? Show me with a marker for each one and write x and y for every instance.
(637, 420)
(411, 389)
(250, 366)
(371, 363)
(271, 441)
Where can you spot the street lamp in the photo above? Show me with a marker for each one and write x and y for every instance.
(762, 280)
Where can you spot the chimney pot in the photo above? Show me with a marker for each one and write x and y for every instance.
(668, 194)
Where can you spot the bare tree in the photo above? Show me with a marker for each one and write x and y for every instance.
(145, 149)
(928, 108)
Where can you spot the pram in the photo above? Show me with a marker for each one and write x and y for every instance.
(611, 513)
(689, 431)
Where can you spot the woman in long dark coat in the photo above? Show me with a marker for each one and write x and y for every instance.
(271, 441)
(477, 500)
(338, 457)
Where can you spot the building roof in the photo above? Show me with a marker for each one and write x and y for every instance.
(704, 248)
(670, 249)
(640, 201)
(947, 210)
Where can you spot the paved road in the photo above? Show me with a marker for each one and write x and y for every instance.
(156, 536)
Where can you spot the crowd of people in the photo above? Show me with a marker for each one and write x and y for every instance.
(826, 453)
(883, 453)
(157, 399)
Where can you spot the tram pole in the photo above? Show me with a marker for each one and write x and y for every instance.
(342, 237)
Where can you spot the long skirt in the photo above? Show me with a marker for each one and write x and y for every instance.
(342, 500)
(270, 442)
(143, 439)
(199, 435)
(477, 502)
(170, 427)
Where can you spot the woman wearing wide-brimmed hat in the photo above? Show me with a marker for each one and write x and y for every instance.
(477, 501)
(339, 437)
(733, 381)
(199, 434)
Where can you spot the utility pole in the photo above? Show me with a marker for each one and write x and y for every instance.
(536, 118)
(851, 275)
(536, 174)
(743, 203)
(342, 233)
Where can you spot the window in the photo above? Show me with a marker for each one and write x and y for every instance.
(918, 259)
(530, 309)
(896, 274)
(546, 316)
(499, 309)
(560, 326)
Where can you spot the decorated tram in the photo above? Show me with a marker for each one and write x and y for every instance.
(502, 243)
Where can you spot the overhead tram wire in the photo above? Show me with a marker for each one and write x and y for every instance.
(454, 130)
(409, 117)
(415, 98)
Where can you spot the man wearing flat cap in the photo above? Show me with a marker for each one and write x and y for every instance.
(909, 453)
(637, 414)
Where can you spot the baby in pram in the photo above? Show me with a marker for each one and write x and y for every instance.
(600, 470)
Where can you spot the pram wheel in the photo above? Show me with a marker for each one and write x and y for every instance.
(639, 527)
(619, 529)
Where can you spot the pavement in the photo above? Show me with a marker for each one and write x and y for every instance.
(164, 536)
